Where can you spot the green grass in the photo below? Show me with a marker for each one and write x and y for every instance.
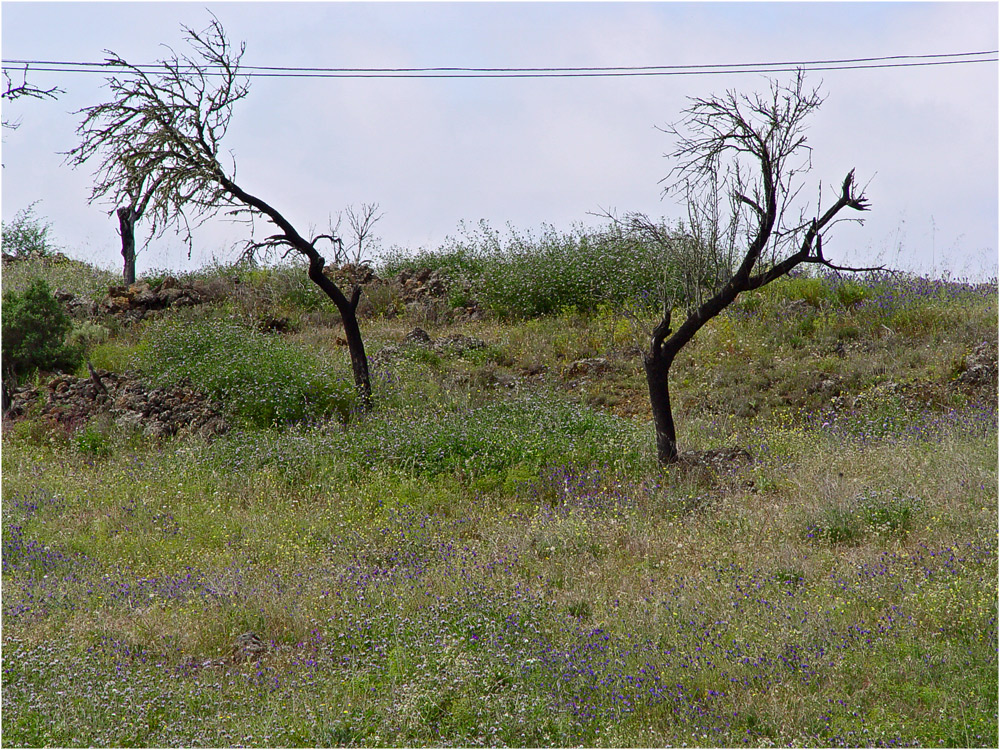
(262, 378)
(492, 557)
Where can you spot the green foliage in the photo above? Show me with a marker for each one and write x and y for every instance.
(260, 377)
(35, 327)
(879, 513)
(94, 439)
(27, 235)
(889, 513)
(520, 275)
(86, 334)
(838, 525)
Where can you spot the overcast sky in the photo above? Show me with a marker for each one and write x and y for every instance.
(529, 152)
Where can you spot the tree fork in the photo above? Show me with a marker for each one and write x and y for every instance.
(352, 329)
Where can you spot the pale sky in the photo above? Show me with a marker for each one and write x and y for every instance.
(528, 152)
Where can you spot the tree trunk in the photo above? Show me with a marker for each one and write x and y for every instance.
(657, 365)
(346, 307)
(352, 331)
(126, 221)
(359, 360)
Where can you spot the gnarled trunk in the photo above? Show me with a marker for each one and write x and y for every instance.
(127, 217)
(657, 365)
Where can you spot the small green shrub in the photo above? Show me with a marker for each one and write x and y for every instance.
(86, 333)
(27, 235)
(35, 328)
(93, 439)
(261, 377)
(811, 290)
(849, 294)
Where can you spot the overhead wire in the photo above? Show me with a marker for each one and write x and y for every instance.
(263, 71)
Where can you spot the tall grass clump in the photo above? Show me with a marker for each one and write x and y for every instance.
(520, 275)
(262, 378)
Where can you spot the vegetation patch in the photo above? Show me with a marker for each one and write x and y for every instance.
(492, 555)
(264, 379)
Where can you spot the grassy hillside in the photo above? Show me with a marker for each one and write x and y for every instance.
(493, 556)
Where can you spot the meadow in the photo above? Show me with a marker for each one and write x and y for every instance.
(493, 557)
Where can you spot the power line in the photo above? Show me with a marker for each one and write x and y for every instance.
(259, 71)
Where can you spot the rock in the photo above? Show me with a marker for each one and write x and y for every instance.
(980, 366)
(351, 274)
(248, 647)
(417, 336)
(458, 343)
(170, 295)
(385, 355)
(421, 285)
(137, 300)
(588, 366)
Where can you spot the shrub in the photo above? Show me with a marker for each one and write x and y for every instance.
(259, 376)
(26, 236)
(35, 327)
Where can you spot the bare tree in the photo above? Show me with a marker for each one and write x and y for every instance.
(158, 142)
(739, 162)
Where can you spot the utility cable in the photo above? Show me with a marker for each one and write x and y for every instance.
(255, 71)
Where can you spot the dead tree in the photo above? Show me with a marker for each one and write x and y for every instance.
(158, 145)
(738, 164)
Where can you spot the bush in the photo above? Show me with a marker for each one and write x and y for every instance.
(26, 236)
(260, 377)
(35, 327)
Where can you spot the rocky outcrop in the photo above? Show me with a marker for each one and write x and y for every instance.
(980, 366)
(137, 300)
(71, 402)
(420, 284)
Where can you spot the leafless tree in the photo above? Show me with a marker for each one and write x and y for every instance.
(158, 143)
(739, 161)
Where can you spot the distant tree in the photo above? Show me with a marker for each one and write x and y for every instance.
(739, 161)
(159, 139)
